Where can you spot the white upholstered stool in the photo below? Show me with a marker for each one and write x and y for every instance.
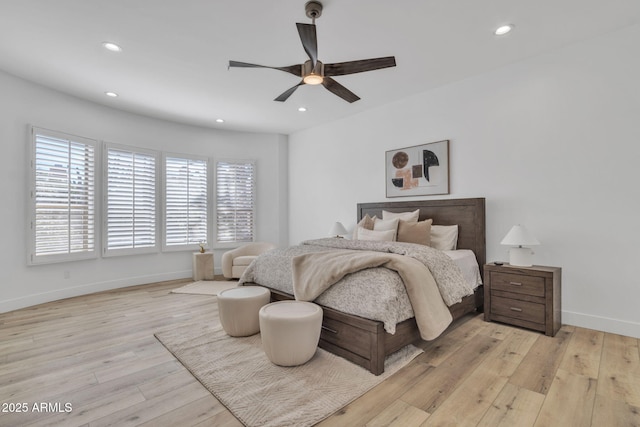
(239, 307)
(290, 331)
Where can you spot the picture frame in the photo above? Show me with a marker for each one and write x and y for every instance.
(420, 170)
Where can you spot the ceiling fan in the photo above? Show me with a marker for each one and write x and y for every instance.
(313, 71)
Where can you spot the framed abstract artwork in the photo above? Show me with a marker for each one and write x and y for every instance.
(420, 170)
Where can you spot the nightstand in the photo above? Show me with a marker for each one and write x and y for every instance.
(523, 296)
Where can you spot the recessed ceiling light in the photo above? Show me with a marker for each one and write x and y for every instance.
(112, 47)
(500, 31)
(219, 121)
(111, 94)
(302, 109)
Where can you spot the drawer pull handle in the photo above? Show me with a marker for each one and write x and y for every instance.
(516, 309)
(329, 330)
(515, 283)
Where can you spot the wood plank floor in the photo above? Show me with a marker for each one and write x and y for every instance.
(93, 361)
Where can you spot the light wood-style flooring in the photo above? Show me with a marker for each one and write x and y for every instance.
(98, 354)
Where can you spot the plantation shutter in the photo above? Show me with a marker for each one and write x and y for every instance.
(63, 216)
(235, 201)
(185, 201)
(131, 200)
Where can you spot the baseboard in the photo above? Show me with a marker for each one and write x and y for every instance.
(58, 294)
(600, 323)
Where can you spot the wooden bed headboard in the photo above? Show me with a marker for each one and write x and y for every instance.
(468, 214)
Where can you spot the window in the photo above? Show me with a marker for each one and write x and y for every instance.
(235, 201)
(186, 201)
(63, 195)
(130, 200)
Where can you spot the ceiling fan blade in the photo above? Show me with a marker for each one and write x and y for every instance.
(337, 89)
(352, 67)
(287, 93)
(309, 41)
(296, 70)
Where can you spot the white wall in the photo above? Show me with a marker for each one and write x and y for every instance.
(552, 142)
(23, 103)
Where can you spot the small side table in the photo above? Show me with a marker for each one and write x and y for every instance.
(202, 266)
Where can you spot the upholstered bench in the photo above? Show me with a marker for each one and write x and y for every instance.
(238, 309)
(290, 331)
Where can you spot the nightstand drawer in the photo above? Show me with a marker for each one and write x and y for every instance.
(529, 311)
(518, 283)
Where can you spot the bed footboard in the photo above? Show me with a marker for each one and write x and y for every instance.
(365, 342)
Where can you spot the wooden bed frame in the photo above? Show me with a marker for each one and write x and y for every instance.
(364, 341)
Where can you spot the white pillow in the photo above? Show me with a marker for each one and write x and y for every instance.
(386, 235)
(444, 237)
(366, 222)
(384, 225)
(405, 216)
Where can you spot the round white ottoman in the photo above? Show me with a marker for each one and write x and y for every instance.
(290, 331)
(238, 309)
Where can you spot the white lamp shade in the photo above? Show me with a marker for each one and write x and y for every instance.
(519, 236)
(338, 229)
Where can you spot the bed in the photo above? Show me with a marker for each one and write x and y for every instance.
(367, 342)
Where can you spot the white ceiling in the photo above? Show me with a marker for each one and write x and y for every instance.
(176, 52)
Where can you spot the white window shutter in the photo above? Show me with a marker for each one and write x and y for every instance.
(235, 201)
(186, 201)
(130, 201)
(63, 224)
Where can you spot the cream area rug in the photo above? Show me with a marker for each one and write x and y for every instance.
(206, 287)
(238, 373)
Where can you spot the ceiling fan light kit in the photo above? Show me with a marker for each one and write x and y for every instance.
(313, 75)
(313, 71)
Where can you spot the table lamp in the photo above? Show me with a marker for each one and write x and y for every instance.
(517, 238)
(338, 230)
